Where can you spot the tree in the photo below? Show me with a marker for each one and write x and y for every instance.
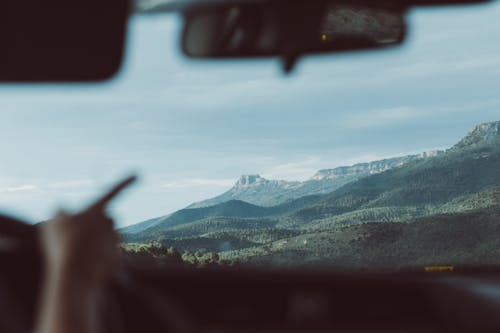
(173, 256)
(209, 259)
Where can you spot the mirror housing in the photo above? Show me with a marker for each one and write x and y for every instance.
(61, 40)
(290, 29)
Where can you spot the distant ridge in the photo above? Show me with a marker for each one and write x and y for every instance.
(256, 190)
(263, 192)
(371, 168)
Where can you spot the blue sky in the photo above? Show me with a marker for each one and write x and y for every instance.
(190, 128)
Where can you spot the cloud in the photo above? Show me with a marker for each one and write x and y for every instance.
(20, 188)
(71, 184)
(138, 125)
(198, 182)
(300, 170)
(364, 158)
(438, 67)
(381, 117)
(64, 185)
(403, 114)
(203, 96)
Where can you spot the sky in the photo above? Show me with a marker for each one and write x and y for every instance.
(190, 128)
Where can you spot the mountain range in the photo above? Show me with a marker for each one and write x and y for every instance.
(335, 216)
(260, 191)
(257, 190)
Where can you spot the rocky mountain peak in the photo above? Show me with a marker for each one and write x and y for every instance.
(370, 168)
(430, 153)
(486, 133)
(250, 180)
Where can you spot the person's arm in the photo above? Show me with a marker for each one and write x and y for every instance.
(81, 253)
(68, 305)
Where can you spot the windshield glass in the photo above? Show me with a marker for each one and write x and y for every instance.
(378, 159)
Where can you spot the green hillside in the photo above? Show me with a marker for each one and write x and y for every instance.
(200, 227)
(426, 183)
(451, 239)
(233, 214)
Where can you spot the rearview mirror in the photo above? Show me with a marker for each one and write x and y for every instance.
(290, 29)
(61, 40)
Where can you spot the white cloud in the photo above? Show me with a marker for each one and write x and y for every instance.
(198, 182)
(300, 170)
(64, 185)
(71, 184)
(138, 125)
(437, 67)
(19, 188)
(401, 114)
(365, 158)
(381, 117)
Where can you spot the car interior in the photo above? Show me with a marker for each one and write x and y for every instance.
(383, 243)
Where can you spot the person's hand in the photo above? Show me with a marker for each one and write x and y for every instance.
(80, 255)
(83, 246)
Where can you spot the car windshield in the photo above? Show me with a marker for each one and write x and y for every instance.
(358, 160)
